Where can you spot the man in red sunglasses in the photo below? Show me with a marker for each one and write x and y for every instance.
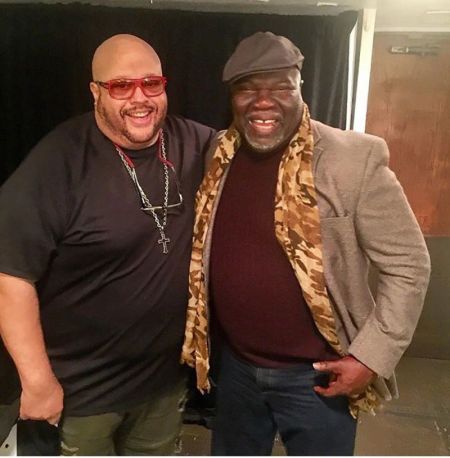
(96, 227)
(127, 115)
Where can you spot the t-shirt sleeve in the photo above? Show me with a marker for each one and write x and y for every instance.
(34, 208)
(208, 136)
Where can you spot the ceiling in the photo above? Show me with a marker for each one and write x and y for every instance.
(392, 15)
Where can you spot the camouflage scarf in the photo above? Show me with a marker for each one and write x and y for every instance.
(297, 228)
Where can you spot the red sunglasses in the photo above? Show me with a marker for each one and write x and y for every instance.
(122, 89)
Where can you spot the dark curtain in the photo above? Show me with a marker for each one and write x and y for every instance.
(46, 52)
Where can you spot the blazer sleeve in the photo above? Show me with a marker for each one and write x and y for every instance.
(390, 236)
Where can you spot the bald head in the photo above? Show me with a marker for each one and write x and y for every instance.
(123, 56)
(132, 122)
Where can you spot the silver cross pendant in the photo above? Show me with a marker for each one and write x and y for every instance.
(164, 241)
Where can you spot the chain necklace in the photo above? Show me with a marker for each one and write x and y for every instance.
(147, 207)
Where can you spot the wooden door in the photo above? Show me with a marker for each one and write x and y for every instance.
(409, 106)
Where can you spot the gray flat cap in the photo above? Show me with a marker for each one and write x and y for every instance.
(261, 52)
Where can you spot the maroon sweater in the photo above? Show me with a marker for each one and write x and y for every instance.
(257, 301)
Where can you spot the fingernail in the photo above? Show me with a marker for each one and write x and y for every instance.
(317, 366)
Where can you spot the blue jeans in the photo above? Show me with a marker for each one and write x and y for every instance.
(253, 403)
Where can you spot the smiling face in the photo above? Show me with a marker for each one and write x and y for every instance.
(133, 123)
(267, 108)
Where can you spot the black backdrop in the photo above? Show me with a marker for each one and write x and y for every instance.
(46, 52)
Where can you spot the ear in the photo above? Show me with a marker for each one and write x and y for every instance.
(95, 91)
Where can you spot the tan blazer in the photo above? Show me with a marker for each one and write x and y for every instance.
(366, 222)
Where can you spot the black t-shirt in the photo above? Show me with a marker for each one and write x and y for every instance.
(112, 304)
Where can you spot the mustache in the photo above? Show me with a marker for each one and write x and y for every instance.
(139, 107)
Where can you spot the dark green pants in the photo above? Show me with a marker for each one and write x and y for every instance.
(8, 416)
(149, 429)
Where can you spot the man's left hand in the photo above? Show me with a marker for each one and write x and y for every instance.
(348, 376)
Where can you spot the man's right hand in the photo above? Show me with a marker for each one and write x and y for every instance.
(20, 326)
(42, 401)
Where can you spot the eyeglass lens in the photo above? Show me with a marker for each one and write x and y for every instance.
(123, 89)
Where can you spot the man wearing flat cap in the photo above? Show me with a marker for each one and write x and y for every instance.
(290, 216)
